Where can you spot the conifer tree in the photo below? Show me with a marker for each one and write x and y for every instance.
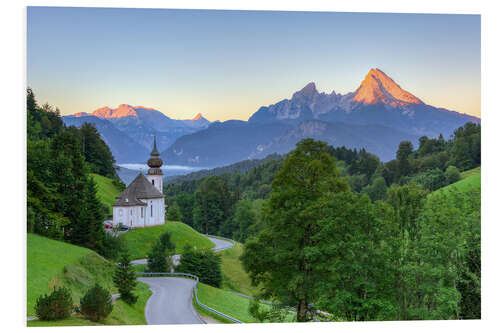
(96, 304)
(125, 279)
(157, 259)
(95, 211)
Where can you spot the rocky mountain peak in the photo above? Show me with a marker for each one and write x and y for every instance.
(123, 110)
(377, 87)
(198, 116)
(309, 91)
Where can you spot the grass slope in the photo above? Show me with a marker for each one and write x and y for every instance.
(106, 191)
(234, 276)
(122, 314)
(140, 241)
(471, 182)
(52, 263)
(232, 305)
(470, 172)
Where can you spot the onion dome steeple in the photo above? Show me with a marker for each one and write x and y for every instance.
(155, 162)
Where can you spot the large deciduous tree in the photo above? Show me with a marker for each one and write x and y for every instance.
(282, 257)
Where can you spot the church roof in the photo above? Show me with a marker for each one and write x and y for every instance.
(139, 188)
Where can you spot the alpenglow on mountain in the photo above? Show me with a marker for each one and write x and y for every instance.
(135, 126)
(378, 100)
(376, 116)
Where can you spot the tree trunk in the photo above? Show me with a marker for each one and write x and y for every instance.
(302, 311)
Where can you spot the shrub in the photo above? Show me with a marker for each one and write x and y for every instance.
(57, 305)
(452, 174)
(96, 304)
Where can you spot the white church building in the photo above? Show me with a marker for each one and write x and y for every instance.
(142, 203)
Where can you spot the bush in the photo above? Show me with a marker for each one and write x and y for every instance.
(205, 264)
(57, 305)
(96, 304)
(452, 174)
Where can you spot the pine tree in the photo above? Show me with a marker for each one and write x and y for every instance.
(96, 304)
(95, 211)
(157, 259)
(125, 279)
(166, 242)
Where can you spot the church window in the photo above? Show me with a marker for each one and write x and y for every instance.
(153, 181)
(151, 208)
(142, 211)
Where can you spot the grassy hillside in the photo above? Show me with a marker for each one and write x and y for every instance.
(141, 240)
(224, 301)
(470, 172)
(235, 277)
(106, 191)
(52, 263)
(122, 314)
(471, 182)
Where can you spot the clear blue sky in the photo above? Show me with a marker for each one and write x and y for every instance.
(226, 64)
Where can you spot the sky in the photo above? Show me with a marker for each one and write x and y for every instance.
(227, 64)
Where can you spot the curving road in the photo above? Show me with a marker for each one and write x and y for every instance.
(219, 245)
(171, 301)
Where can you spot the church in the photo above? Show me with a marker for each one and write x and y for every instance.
(142, 203)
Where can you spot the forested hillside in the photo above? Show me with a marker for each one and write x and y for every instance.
(325, 215)
(62, 194)
(324, 247)
(216, 201)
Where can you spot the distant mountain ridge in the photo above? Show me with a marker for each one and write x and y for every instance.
(378, 100)
(132, 128)
(376, 116)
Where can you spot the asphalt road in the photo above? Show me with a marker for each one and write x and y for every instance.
(219, 246)
(171, 301)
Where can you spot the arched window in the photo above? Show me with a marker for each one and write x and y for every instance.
(153, 181)
(151, 208)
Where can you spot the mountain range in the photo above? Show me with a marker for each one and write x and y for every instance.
(376, 116)
(129, 130)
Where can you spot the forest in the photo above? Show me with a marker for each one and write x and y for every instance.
(61, 195)
(227, 204)
(334, 229)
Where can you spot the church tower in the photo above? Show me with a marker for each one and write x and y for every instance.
(155, 174)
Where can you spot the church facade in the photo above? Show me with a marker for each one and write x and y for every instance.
(142, 203)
